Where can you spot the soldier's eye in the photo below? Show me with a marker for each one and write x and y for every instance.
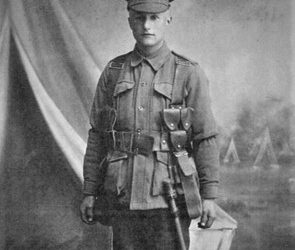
(139, 18)
(154, 17)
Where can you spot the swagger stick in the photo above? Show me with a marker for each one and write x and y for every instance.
(171, 195)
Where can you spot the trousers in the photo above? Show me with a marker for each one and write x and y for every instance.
(148, 230)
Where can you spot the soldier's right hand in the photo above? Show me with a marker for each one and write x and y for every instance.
(86, 209)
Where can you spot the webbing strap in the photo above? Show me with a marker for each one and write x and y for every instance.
(179, 90)
(191, 195)
(190, 186)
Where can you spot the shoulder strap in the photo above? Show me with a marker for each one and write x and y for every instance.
(116, 65)
(180, 59)
(179, 92)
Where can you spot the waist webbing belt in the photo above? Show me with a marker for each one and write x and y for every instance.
(131, 142)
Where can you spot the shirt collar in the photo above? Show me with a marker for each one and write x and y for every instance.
(156, 60)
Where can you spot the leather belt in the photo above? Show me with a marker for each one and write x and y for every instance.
(133, 143)
(123, 139)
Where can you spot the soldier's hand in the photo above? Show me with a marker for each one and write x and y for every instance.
(86, 209)
(208, 214)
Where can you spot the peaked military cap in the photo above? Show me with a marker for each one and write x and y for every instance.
(149, 6)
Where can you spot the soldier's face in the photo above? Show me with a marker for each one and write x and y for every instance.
(149, 28)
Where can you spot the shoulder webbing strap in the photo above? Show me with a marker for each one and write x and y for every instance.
(179, 88)
(189, 181)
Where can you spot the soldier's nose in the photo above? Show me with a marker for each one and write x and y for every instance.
(147, 24)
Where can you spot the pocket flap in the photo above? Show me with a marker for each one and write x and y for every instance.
(186, 117)
(178, 139)
(171, 118)
(117, 156)
(122, 87)
(164, 88)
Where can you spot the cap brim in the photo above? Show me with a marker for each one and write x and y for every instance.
(149, 8)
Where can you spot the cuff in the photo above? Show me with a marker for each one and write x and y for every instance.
(209, 191)
(90, 188)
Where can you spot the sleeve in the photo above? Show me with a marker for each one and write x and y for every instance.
(204, 135)
(96, 148)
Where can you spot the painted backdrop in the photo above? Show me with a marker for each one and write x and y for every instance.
(52, 53)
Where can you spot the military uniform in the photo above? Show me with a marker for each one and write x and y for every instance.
(129, 150)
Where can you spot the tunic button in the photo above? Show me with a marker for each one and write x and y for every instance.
(140, 108)
(164, 142)
(172, 124)
(138, 130)
(178, 146)
(186, 124)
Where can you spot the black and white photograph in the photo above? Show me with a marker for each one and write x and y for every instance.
(147, 124)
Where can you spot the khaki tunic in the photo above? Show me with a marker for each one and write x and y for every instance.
(138, 88)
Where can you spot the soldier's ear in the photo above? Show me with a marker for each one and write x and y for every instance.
(168, 17)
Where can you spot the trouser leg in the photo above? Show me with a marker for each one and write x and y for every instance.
(151, 229)
(164, 233)
(126, 233)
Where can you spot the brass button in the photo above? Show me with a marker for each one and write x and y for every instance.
(140, 108)
(164, 142)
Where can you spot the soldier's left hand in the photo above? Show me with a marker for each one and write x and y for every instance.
(208, 214)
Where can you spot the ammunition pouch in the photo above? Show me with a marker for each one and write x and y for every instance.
(178, 123)
(178, 118)
(171, 118)
(178, 140)
(186, 115)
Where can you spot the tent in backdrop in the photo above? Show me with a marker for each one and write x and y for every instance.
(266, 156)
(231, 156)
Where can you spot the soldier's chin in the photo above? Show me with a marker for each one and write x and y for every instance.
(148, 42)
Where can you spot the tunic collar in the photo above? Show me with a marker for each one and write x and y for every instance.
(156, 60)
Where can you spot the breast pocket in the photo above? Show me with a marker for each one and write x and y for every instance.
(123, 97)
(116, 172)
(162, 99)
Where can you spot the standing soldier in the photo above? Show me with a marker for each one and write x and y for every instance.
(151, 121)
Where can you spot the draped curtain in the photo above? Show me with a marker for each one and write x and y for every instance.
(60, 70)
(41, 51)
(4, 62)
